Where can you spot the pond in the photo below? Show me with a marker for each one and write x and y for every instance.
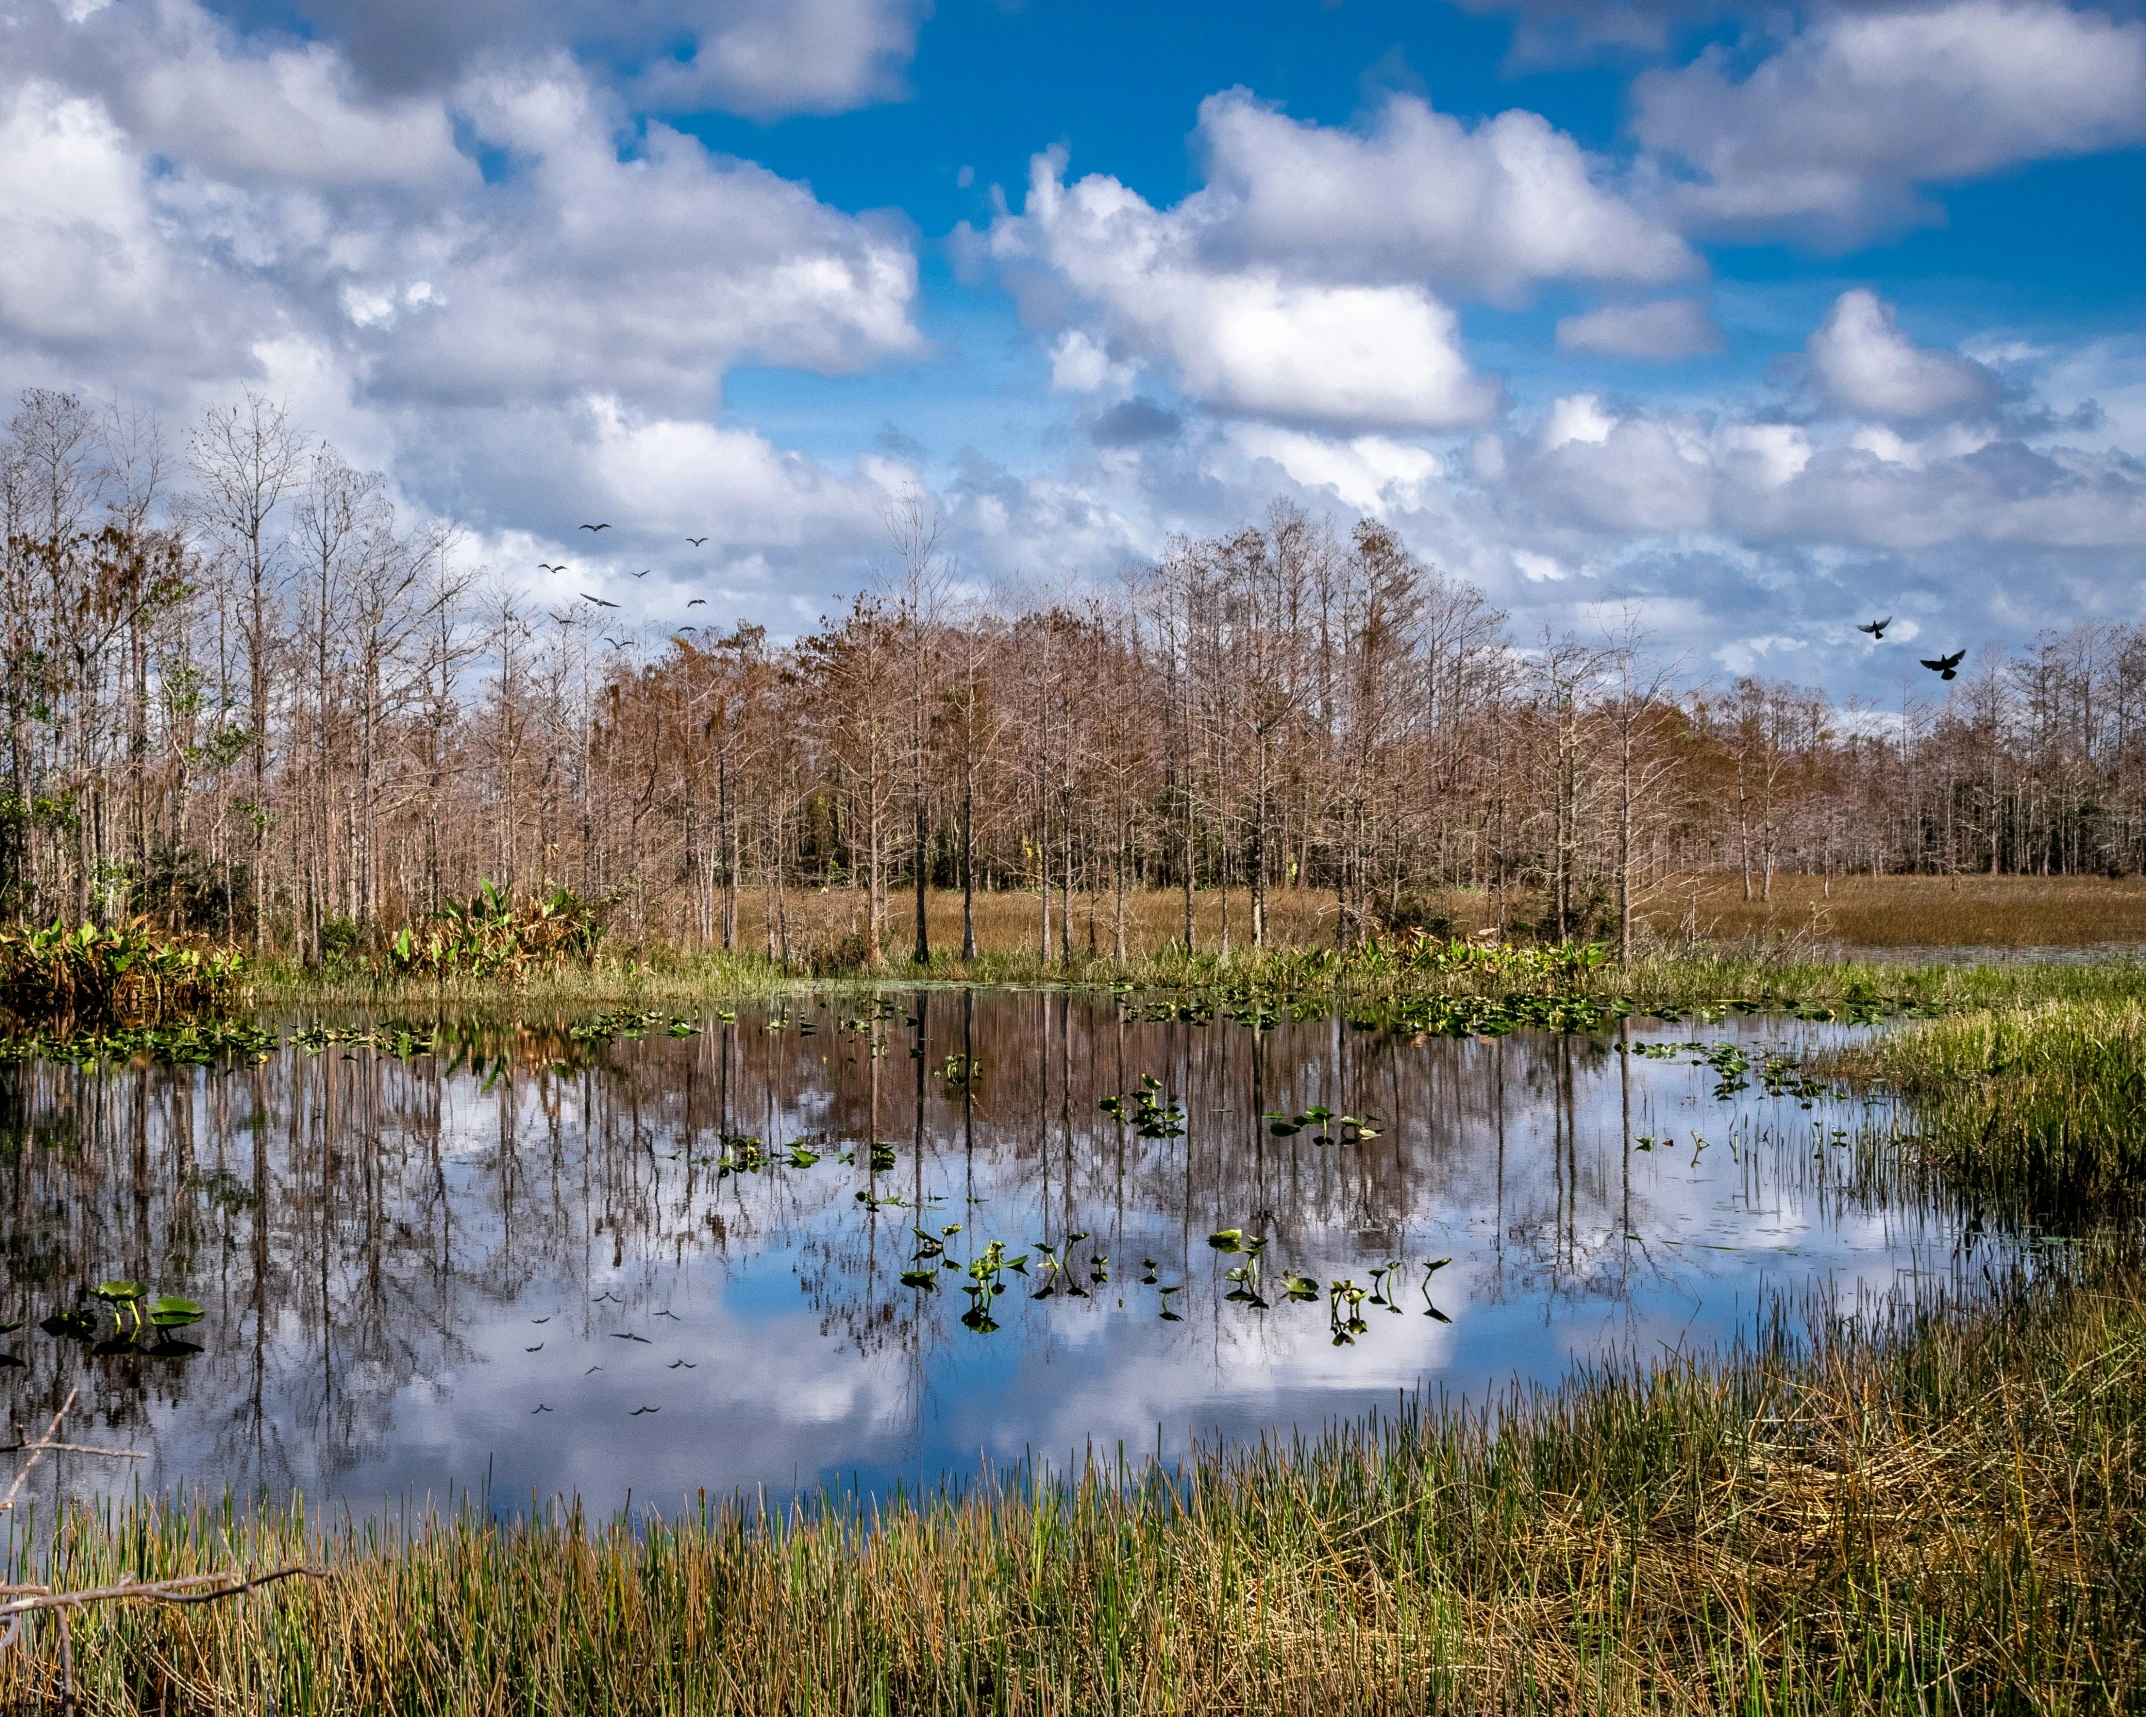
(857, 1240)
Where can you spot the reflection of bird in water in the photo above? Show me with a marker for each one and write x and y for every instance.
(622, 1335)
(638, 1411)
(687, 1363)
(539, 1348)
(1945, 667)
(592, 1368)
(1877, 627)
(607, 1295)
(544, 1320)
(673, 1316)
(540, 1408)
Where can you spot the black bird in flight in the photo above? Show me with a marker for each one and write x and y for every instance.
(644, 572)
(602, 527)
(540, 1408)
(696, 541)
(614, 643)
(1945, 667)
(698, 602)
(638, 1411)
(546, 566)
(1877, 627)
(598, 600)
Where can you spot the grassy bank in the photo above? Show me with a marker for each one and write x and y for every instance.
(1945, 1515)
(1698, 979)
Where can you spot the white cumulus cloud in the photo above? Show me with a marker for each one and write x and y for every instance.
(1867, 366)
(1244, 338)
(1417, 195)
(1832, 134)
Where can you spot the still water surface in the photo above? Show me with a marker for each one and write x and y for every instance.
(522, 1265)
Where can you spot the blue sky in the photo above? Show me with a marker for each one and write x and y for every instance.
(1746, 318)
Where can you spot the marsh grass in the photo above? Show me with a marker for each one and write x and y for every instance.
(1938, 1513)
(2037, 1108)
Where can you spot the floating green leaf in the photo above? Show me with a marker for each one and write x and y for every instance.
(121, 1290)
(172, 1312)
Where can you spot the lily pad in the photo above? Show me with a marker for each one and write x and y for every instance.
(121, 1290)
(75, 1326)
(172, 1312)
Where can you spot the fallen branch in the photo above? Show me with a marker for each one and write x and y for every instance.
(77, 1449)
(22, 1602)
(38, 1452)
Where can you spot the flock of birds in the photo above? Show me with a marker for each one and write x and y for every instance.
(1944, 667)
(557, 567)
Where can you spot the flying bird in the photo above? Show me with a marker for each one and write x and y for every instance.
(1877, 627)
(696, 541)
(598, 600)
(602, 527)
(644, 572)
(698, 602)
(1945, 667)
(546, 566)
(540, 1408)
(614, 643)
(638, 1411)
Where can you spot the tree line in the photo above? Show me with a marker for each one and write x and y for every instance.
(243, 698)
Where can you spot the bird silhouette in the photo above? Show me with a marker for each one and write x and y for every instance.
(598, 600)
(1945, 667)
(546, 566)
(644, 572)
(698, 602)
(540, 1408)
(1877, 627)
(539, 1348)
(614, 643)
(603, 527)
(696, 541)
(690, 1365)
(638, 1411)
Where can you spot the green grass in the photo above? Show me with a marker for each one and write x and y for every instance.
(1657, 982)
(2037, 1107)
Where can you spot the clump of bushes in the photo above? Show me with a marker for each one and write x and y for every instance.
(126, 974)
(500, 934)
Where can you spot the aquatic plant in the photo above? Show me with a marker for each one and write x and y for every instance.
(87, 976)
(499, 934)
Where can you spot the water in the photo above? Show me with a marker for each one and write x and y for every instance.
(402, 1262)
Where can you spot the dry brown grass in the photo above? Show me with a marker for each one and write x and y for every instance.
(1846, 911)
(1908, 911)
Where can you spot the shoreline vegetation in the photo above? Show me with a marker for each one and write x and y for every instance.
(1936, 1509)
(1933, 1504)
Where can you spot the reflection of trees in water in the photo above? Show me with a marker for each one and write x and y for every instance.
(345, 1217)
